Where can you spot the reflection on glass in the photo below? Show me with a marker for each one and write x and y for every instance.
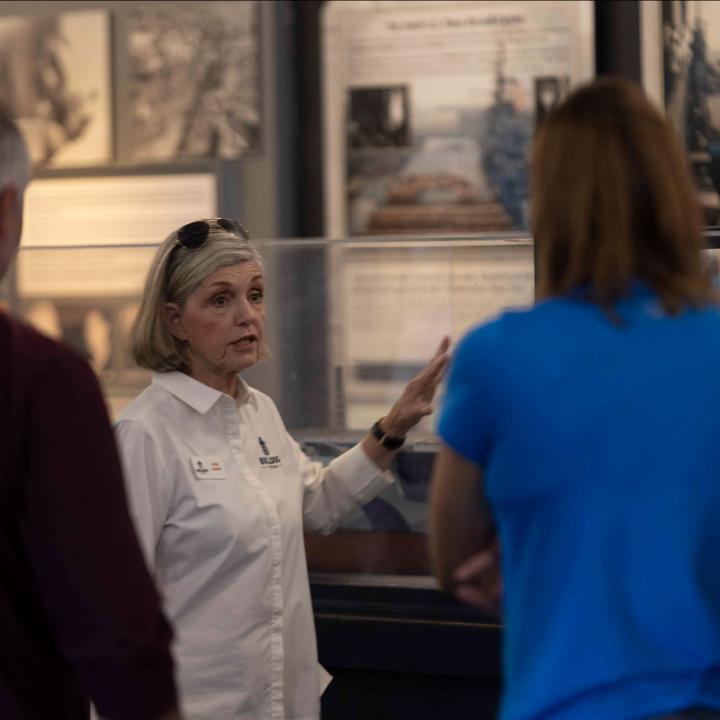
(349, 323)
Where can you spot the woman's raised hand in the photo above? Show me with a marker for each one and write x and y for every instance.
(416, 400)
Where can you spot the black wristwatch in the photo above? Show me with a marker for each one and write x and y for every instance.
(387, 441)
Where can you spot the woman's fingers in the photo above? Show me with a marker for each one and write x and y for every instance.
(439, 357)
(472, 596)
(476, 566)
(488, 600)
(442, 347)
(414, 403)
(435, 376)
(434, 370)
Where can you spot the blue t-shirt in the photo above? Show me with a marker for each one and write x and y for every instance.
(600, 444)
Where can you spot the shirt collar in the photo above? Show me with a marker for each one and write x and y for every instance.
(197, 395)
(245, 394)
(637, 289)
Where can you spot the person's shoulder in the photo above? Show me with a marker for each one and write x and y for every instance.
(507, 335)
(492, 331)
(710, 313)
(148, 408)
(40, 356)
(543, 317)
(146, 419)
(265, 407)
(705, 320)
(27, 343)
(262, 401)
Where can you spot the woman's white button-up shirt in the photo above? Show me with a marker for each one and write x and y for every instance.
(221, 495)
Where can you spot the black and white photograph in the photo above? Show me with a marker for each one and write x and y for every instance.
(379, 117)
(549, 91)
(194, 85)
(55, 81)
(465, 170)
(691, 75)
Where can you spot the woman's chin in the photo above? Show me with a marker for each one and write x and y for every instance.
(245, 359)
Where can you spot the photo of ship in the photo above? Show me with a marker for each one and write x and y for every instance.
(463, 169)
(691, 59)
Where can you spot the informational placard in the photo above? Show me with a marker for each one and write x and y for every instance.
(122, 210)
(77, 230)
(396, 303)
(400, 302)
(430, 108)
(82, 272)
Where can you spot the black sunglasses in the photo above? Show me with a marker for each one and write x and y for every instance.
(194, 234)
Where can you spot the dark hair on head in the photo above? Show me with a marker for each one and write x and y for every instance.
(613, 201)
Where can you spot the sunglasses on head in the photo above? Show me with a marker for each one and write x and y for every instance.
(194, 234)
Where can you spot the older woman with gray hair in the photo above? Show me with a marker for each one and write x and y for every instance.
(221, 492)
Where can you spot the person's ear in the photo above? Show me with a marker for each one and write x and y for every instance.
(11, 214)
(174, 321)
(9, 209)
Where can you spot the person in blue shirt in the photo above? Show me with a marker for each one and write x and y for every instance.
(581, 436)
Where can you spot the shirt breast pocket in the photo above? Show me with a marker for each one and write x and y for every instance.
(220, 511)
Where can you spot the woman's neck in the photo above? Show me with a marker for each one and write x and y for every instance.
(224, 383)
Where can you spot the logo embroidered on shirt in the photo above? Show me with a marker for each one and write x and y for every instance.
(268, 461)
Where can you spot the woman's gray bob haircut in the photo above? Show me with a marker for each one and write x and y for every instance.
(175, 272)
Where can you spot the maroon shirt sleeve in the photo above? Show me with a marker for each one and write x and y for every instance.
(86, 560)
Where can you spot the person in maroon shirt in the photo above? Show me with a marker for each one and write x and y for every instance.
(80, 618)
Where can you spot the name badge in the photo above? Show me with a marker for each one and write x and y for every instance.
(206, 468)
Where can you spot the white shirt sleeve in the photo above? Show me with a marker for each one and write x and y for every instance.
(146, 481)
(333, 492)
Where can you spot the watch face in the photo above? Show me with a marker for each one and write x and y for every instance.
(392, 444)
(388, 441)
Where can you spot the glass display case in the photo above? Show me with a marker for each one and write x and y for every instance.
(348, 324)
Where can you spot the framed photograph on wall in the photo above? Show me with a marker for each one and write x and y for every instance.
(681, 69)
(430, 108)
(55, 81)
(194, 80)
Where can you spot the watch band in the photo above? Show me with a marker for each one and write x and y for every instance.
(391, 442)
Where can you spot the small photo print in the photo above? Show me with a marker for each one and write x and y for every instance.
(549, 91)
(194, 86)
(379, 117)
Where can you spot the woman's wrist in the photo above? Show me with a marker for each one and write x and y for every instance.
(387, 434)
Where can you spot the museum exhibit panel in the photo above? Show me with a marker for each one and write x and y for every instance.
(430, 108)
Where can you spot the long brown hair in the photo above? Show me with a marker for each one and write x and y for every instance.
(613, 201)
